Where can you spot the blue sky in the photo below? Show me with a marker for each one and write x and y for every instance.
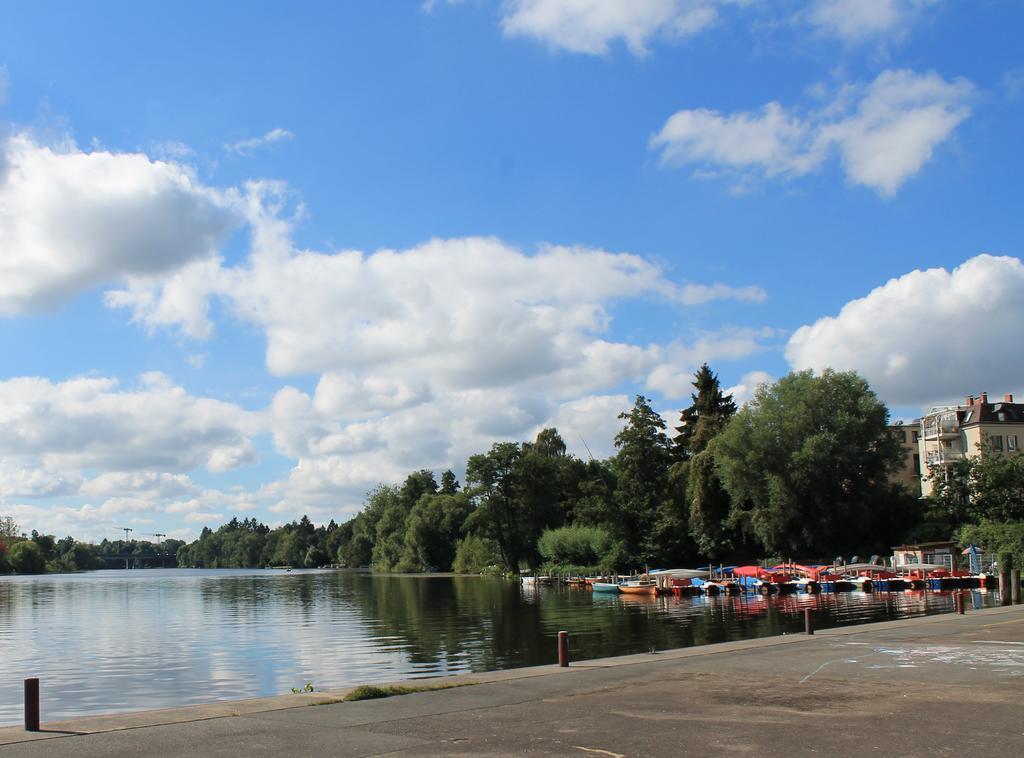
(255, 259)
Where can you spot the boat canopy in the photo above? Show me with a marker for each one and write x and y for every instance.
(855, 568)
(680, 573)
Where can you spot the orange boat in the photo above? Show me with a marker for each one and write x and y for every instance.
(640, 587)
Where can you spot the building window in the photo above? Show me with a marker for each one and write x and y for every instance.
(914, 437)
(917, 465)
(1011, 442)
(903, 436)
(996, 442)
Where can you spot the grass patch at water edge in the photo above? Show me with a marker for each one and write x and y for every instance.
(373, 691)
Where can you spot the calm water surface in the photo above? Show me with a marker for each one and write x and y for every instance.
(130, 640)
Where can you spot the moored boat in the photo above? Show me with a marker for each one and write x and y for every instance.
(639, 587)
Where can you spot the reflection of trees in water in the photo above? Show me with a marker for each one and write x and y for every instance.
(438, 619)
(455, 623)
(250, 597)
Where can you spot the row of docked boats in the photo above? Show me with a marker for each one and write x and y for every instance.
(789, 577)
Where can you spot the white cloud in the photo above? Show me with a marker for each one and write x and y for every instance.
(138, 484)
(424, 355)
(71, 220)
(116, 506)
(884, 133)
(748, 384)
(858, 21)
(92, 423)
(590, 26)
(393, 327)
(245, 146)
(84, 523)
(21, 478)
(928, 336)
(428, 6)
(589, 424)
(672, 376)
(206, 518)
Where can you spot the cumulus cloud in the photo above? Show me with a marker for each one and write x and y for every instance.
(85, 522)
(72, 220)
(138, 484)
(390, 328)
(748, 384)
(672, 375)
(92, 423)
(25, 478)
(589, 424)
(928, 336)
(246, 146)
(424, 355)
(339, 462)
(590, 26)
(857, 21)
(883, 132)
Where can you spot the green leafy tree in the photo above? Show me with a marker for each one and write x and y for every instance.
(715, 536)
(575, 545)
(478, 555)
(449, 484)
(642, 473)
(47, 545)
(389, 537)
(315, 557)
(806, 464)
(997, 537)
(289, 550)
(433, 530)
(498, 513)
(999, 486)
(9, 528)
(25, 557)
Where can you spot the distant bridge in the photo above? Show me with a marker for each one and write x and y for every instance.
(162, 560)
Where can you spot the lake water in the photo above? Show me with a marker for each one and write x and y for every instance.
(110, 641)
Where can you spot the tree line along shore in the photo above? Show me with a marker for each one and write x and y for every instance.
(803, 470)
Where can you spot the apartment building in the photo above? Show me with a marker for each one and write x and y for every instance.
(908, 436)
(979, 427)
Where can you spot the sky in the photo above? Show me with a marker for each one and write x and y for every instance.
(257, 258)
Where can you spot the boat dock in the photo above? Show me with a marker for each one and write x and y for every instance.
(940, 685)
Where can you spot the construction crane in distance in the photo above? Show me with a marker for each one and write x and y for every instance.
(125, 529)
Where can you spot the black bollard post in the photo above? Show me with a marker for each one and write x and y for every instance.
(808, 621)
(31, 705)
(958, 600)
(563, 649)
(1004, 588)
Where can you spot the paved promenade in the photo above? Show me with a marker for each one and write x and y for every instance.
(943, 685)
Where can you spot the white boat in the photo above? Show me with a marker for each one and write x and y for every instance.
(680, 573)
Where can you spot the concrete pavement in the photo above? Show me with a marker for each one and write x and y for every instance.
(941, 685)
